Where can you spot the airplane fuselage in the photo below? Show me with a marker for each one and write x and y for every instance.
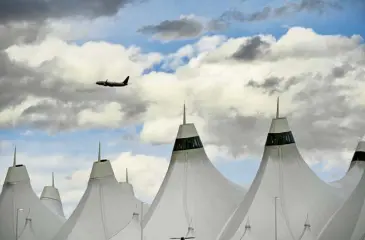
(110, 84)
(113, 84)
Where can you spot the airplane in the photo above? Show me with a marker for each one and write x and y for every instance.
(183, 238)
(113, 84)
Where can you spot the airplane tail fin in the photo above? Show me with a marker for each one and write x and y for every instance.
(126, 80)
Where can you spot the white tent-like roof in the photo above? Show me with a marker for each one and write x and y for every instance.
(18, 201)
(27, 233)
(51, 198)
(194, 195)
(347, 184)
(103, 211)
(348, 223)
(128, 191)
(285, 189)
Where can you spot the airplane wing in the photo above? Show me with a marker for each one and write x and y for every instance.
(189, 237)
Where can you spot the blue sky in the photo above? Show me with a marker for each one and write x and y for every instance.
(122, 29)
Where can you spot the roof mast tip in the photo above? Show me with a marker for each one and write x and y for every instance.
(99, 152)
(277, 106)
(126, 176)
(52, 179)
(14, 159)
(184, 114)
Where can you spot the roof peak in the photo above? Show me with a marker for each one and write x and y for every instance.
(17, 173)
(186, 131)
(101, 168)
(279, 125)
(360, 146)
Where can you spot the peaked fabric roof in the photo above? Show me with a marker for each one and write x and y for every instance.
(194, 195)
(349, 221)
(51, 198)
(103, 208)
(18, 201)
(284, 188)
(357, 166)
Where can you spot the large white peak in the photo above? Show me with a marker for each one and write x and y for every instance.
(50, 197)
(18, 199)
(285, 175)
(103, 211)
(349, 221)
(193, 193)
(357, 166)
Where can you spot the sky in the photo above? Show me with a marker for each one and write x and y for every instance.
(228, 61)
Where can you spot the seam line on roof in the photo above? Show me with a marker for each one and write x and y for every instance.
(102, 211)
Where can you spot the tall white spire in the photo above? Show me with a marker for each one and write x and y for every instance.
(52, 179)
(277, 107)
(14, 159)
(126, 176)
(99, 152)
(184, 115)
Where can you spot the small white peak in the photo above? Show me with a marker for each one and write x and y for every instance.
(101, 169)
(186, 131)
(360, 146)
(279, 125)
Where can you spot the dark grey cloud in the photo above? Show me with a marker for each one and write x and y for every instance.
(341, 71)
(24, 33)
(289, 7)
(270, 85)
(182, 28)
(38, 10)
(251, 50)
(275, 85)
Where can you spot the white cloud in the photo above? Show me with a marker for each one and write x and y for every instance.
(108, 116)
(231, 99)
